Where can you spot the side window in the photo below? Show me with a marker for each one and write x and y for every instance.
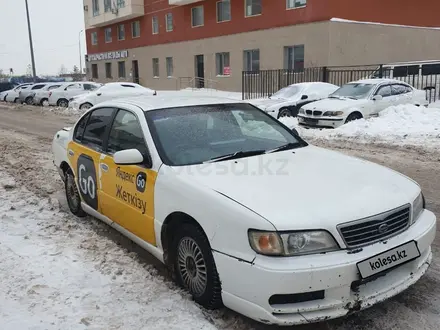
(126, 133)
(94, 133)
(53, 87)
(398, 89)
(79, 128)
(37, 87)
(385, 91)
(73, 86)
(408, 89)
(89, 87)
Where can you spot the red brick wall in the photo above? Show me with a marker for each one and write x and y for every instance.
(407, 12)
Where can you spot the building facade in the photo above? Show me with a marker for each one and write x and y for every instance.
(171, 44)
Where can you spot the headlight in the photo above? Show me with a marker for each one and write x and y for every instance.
(302, 111)
(333, 113)
(417, 208)
(292, 243)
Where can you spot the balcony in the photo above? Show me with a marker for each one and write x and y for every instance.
(102, 12)
(181, 2)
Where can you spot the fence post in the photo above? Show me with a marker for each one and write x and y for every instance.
(324, 74)
(381, 71)
(242, 85)
(279, 80)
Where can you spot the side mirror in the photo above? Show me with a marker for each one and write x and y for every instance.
(128, 157)
(295, 131)
(304, 97)
(99, 94)
(377, 98)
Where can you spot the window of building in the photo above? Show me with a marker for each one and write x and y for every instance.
(136, 29)
(108, 70)
(251, 60)
(294, 58)
(197, 18)
(170, 66)
(95, 71)
(95, 5)
(94, 37)
(155, 67)
(253, 7)
(169, 22)
(223, 11)
(222, 64)
(107, 5)
(121, 69)
(120, 3)
(290, 4)
(155, 23)
(121, 32)
(108, 35)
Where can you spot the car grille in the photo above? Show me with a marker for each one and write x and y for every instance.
(379, 227)
(317, 113)
(309, 112)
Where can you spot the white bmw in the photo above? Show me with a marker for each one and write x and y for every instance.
(359, 99)
(205, 185)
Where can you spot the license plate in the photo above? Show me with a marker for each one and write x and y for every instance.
(311, 120)
(389, 259)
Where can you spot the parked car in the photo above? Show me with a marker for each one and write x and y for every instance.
(5, 86)
(41, 96)
(13, 96)
(359, 99)
(61, 96)
(183, 178)
(27, 95)
(108, 92)
(288, 100)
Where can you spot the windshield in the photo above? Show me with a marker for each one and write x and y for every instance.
(286, 92)
(353, 91)
(197, 134)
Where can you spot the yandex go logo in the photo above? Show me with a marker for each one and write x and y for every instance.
(86, 174)
(141, 181)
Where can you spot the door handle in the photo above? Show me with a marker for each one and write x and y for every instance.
(104, 167)
(71, 153)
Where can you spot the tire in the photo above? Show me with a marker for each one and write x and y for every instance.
(44, 102)
(29, 100)
(284, 112)
(17, 100)
(190, 243)
(72, 195)
(353, 116)
(63, 103)
(85, 106)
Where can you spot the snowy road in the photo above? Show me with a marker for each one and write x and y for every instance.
(58, 272)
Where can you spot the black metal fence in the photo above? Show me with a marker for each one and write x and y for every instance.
(263, 83)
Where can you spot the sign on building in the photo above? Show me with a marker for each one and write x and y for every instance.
(107, 56)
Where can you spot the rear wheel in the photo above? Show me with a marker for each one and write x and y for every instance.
(353, 116)
(29, 100)
(44, 102)
(63, 103)
(72, 196)
(195, 266)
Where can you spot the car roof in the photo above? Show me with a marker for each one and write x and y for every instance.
(376, 81)
(147, 103)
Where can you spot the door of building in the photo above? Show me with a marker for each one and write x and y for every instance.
(200, 71)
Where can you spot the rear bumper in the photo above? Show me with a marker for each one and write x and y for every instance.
(248, 287)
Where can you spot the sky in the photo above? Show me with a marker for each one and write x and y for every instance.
(56, 26)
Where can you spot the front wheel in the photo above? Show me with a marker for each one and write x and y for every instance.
(195, 266)
(85, 106)
(72, 196)
(63, 103)
(284, 112)
(29, 100)
(353, 116)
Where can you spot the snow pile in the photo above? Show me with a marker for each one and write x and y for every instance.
(398, 125)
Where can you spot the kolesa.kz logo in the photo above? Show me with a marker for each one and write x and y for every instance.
(382, 262)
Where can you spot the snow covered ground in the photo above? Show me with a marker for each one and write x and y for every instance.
(404, 125)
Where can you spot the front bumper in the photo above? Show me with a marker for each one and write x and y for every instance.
(320, 122)
(247, 287)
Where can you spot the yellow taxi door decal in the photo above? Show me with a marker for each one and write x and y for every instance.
(85, 162)
(128, 197)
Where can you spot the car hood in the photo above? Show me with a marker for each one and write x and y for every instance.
(335, 104)
(306, 188)
(269, 103)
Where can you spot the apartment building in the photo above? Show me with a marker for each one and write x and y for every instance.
(166, 44)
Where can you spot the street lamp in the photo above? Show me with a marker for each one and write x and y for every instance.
(80, 55)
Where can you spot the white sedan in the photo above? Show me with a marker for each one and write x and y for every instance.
(288, 100)
(205, 185)
(61, 95)
(13, 94)
(110, 91)
(359, 99)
